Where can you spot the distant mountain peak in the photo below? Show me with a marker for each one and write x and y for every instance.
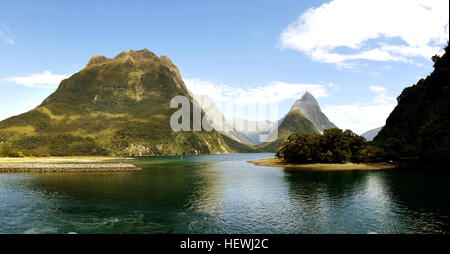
(371, 134)
(309, 107)
(307, 97)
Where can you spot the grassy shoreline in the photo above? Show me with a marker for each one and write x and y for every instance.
(277, 162)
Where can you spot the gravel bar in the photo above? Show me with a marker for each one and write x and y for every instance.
(44, 168)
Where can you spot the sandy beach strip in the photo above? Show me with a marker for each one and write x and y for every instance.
(64, 167)
(277, 162)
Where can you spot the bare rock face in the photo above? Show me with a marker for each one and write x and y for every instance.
(308, 106)
(138, 150)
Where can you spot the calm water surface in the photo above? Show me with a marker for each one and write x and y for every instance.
(224, 194)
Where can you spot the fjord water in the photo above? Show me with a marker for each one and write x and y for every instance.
(224, 194)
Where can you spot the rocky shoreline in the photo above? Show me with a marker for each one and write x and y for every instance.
(65, 167)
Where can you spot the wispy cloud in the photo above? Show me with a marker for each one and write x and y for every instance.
(344, 31)
(45, 79)
(334, 87)
(274, 92)
(6, 39)
(363, 116)
(4, 33)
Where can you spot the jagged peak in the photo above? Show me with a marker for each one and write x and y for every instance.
(307, 97)
(308, 106)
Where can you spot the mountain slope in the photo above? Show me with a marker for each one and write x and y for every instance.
(293, 122)
(117, 106)
(419, 124)
(308, 106)
(369, 135)
(217, 120)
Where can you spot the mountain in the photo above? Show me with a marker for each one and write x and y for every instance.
(253, 131)
(369, 135)
(217, 120)
(266, 136)
(308, 106)
(305, 116)
(419, 125)
(241, 130)
(114, 106)
(292, 122)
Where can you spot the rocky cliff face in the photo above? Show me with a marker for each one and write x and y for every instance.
(114, 106)
(308, 106)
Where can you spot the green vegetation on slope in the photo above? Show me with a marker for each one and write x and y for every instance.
(419, 124)
(114, 106)
(239, 147)
(293, 122)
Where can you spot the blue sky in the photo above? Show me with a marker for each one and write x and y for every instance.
(354, 62)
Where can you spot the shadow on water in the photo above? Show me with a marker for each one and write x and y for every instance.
(422, 200)
(387, 201)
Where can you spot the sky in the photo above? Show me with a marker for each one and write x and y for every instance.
(354, 56)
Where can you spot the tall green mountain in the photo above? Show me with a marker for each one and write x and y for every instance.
(308, 106)
(419, 124)
(293, 122)
(117, 106)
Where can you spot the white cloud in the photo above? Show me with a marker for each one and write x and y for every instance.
(9, 41)
(274, 92)
(42, 80)
(334, 87)
(375, 74)
(361, 117)
(367, 30)
(6, 39)
(378, 89)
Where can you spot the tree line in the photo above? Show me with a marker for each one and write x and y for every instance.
(333, 146)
